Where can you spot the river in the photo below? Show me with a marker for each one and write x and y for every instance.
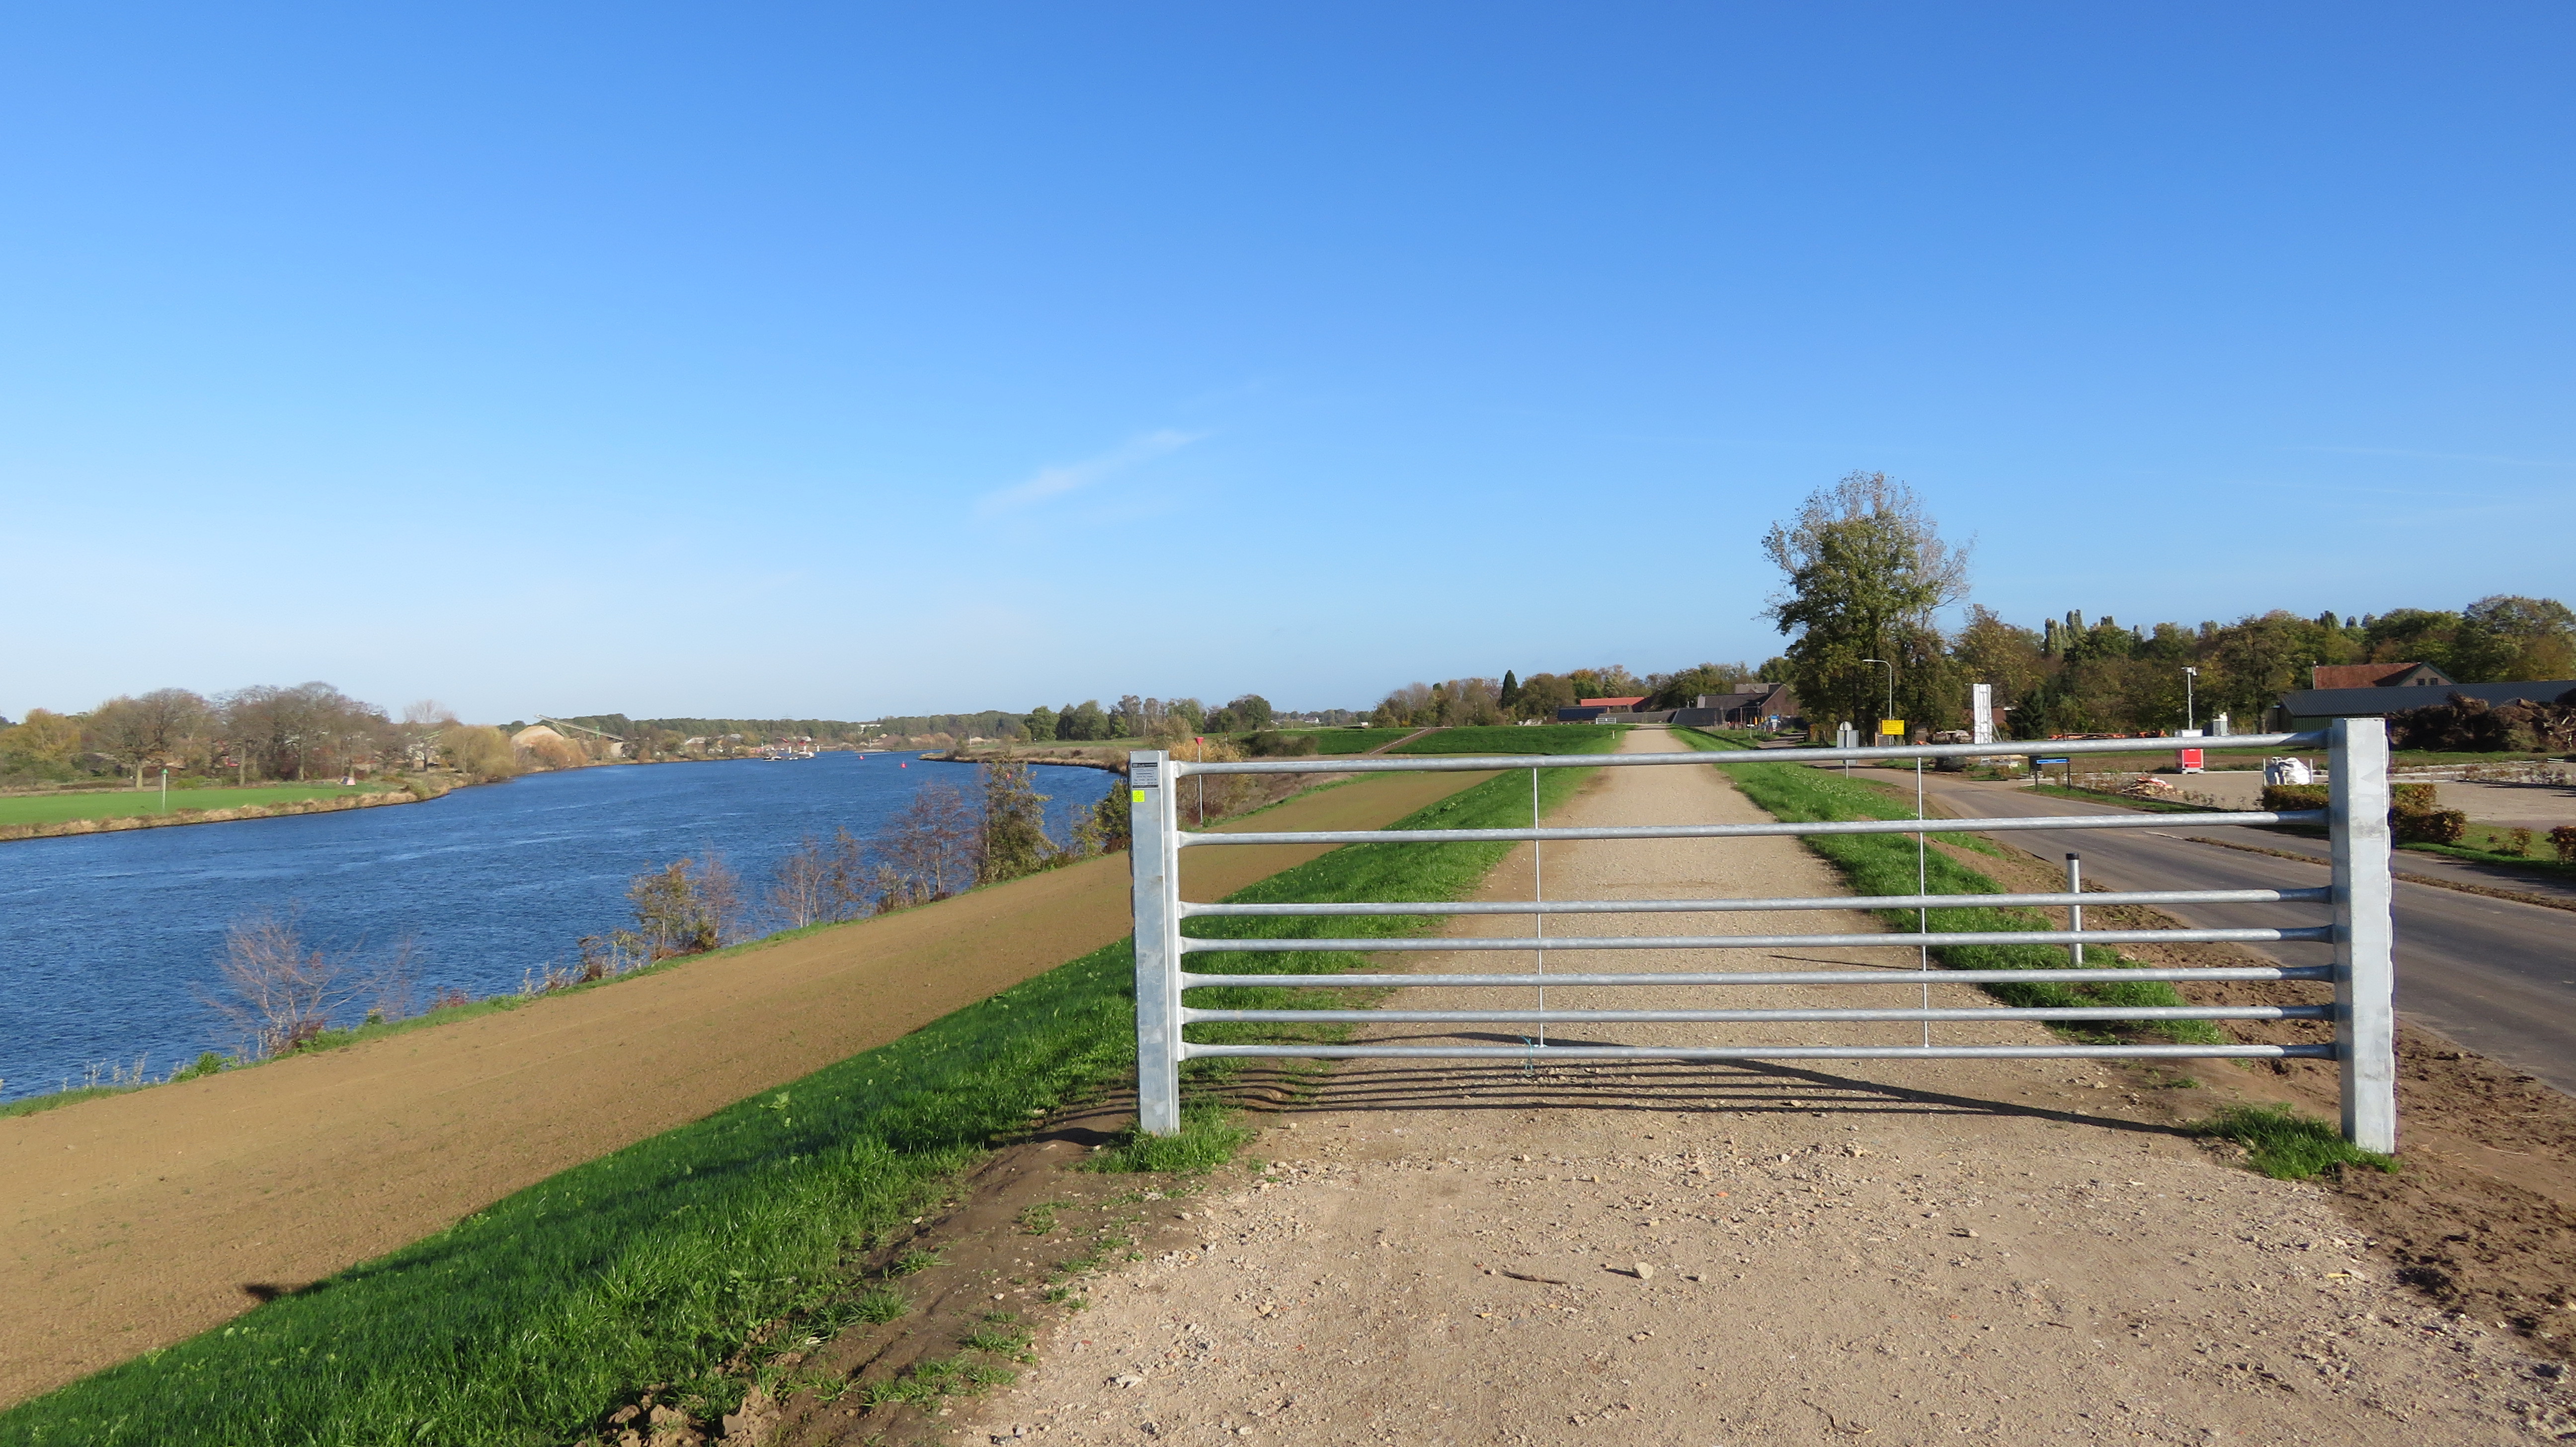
(109, 942)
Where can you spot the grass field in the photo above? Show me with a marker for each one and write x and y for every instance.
(56, 808)
(1352, 741)
(526, 1322)
(1886, 864)
(2542, 859)
(1517, 739)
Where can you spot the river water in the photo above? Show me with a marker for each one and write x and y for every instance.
(109, 942)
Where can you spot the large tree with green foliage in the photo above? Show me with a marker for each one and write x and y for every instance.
(2512, 639)
(1864, 571)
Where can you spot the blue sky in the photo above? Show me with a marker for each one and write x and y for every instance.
(837, 360)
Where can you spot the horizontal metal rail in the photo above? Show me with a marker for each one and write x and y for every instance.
(1191, 1051)
(1198, 944)
(1907, 978)
(1464, 763)
(1187, 837)
(2319, 895)
(1733, 1017)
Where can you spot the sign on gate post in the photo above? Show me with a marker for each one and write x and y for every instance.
(1981, 713)
(2191, 758)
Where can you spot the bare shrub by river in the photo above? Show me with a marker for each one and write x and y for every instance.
(280, 992)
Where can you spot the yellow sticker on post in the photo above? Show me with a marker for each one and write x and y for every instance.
(1139, 798)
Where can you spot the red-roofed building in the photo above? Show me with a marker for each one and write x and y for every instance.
(1615, 703)
(2377, 675)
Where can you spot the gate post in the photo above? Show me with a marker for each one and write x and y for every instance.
(1153, 852)
(2365, 974)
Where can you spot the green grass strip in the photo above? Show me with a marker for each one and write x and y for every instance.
(527, 1321)
(1885, 864)
(1353, 741)
(2288, 1146)
(122, 804)
(1518, 739)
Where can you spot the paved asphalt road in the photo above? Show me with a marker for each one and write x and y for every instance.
(2495, 976)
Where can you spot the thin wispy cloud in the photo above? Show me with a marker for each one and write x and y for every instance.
(1058, 479)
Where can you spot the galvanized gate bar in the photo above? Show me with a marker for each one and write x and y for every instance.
(1487, 763)
(1672, 1017)
(1751, 831)
(1909, 978)
(2359, 896)
(1196, 944)
(1762, 1052)
(2319, 895)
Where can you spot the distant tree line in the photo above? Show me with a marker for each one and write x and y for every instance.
(260, 733)
(2070, 677)
(1463, 702)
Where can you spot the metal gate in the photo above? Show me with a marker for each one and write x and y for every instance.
(2359, 893)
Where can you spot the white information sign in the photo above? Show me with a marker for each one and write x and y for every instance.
(1981, 713)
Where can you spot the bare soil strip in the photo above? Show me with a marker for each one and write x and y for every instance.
(1794, 1253)
(135, 1221)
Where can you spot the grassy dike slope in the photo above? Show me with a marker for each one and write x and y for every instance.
(531, 1318)
(136, 1221)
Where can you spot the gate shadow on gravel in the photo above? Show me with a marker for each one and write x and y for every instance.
(1747, 1088)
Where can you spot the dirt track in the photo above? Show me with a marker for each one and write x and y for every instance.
(1909, 1251)
(135, 1221)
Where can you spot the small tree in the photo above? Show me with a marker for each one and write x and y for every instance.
(422, 723)
(799, 884)
(1106, 827)
(281, 993)
(931, 850)
(1014, 827)
(686, 907)
(478, 751)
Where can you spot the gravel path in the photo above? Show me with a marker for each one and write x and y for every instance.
(1909, 1251)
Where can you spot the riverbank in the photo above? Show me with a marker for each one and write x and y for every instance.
(1113, 760)
(412, 790)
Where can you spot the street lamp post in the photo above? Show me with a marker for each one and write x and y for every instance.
(1891, 689)
(2189, 722)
